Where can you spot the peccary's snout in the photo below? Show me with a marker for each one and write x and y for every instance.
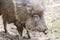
(45, 31)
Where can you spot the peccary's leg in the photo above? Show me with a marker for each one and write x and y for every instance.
(5, 27)
(23, 25)
(20, 30)
(27, 33)
(4, 23)
(19, 27)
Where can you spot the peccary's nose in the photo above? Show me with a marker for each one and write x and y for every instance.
(45, 31)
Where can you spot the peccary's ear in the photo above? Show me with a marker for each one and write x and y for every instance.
(29, 8)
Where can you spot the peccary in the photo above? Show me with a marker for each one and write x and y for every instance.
(23, 13)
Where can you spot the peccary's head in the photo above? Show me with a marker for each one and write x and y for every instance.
(33, 14)
(35, 20)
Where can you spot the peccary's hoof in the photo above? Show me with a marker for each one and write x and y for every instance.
(24, 37)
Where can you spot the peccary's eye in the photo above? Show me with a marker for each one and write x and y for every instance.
(36, 18)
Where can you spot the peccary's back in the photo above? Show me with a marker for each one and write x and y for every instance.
(12, 9)
(7, 10)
